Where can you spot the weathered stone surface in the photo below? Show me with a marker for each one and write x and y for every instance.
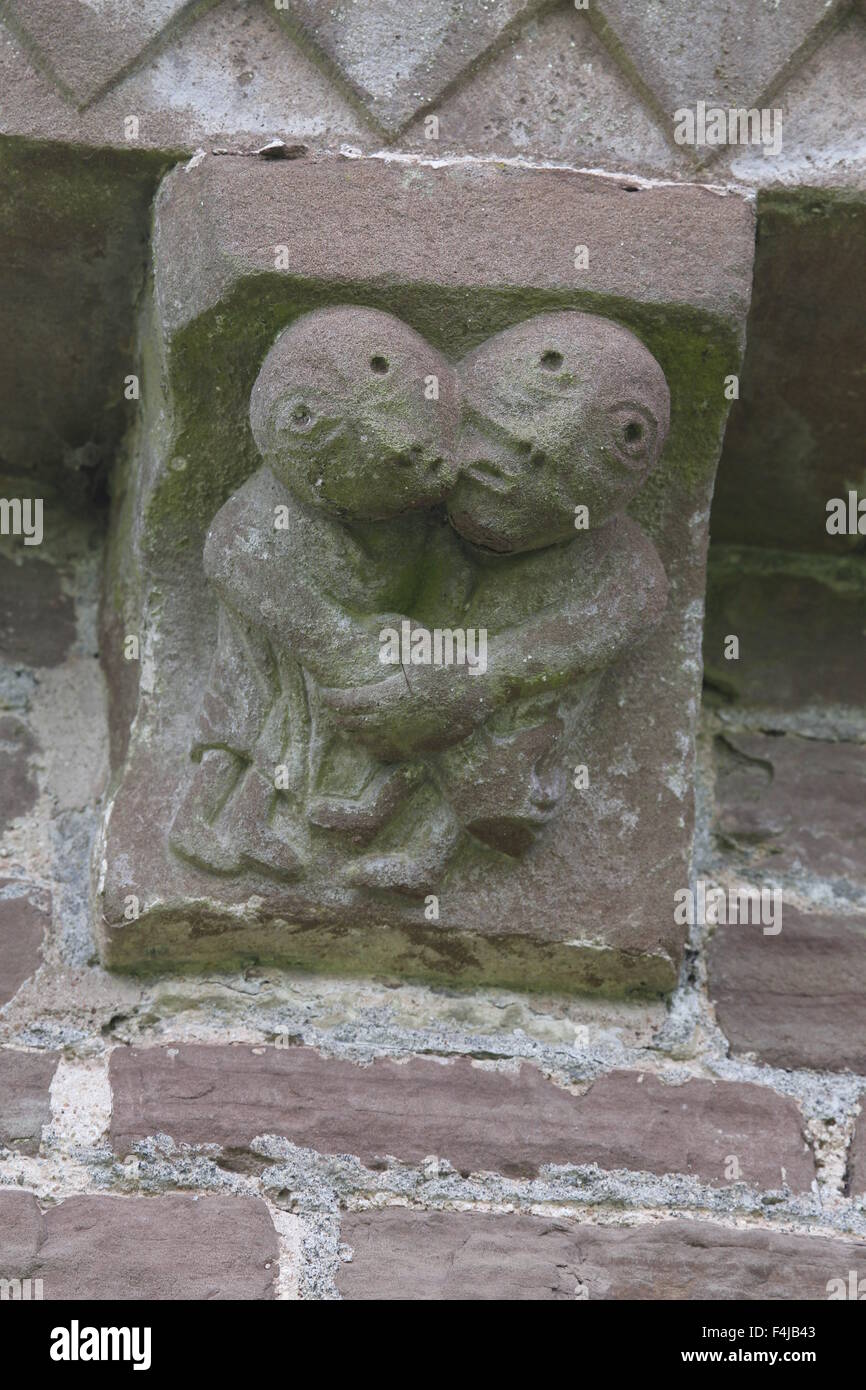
(401, 1254)
(794, 439)
(797, 999)
(398, 60)
(440, 282)
(551, 90)
(229, 74)
(763, 784)
(778, 606)
(18, 786)
(823, 107)
(37, 619)
(25, 913)
(478, 1119)
(660, 246)
(25, 1079)
(517, 77)
(733, 57)
(174, 1247)
(636, 1121)
(86, 47)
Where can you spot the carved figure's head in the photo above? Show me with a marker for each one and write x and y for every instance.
(563, 410)
(357, 414)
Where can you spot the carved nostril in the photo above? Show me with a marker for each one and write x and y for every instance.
(409, 458)
(551, 360)
(379, 365)
(633, 432)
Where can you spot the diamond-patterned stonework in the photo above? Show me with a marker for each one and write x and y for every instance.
(89, 43)
(729, 55)
(398, 58)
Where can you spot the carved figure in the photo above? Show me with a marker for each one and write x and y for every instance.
(562, 411)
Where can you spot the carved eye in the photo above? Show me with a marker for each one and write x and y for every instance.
(379, 365)
(551, 360)
(301, 417)
(634, 433)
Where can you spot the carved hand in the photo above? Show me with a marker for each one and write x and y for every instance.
(417, 709)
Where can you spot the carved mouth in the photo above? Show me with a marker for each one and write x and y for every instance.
(489, 475)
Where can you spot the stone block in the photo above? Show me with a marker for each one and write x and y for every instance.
(173, 1247)
(226, 73)
(551, 90)
(400, 1254)
(25, 914)
(732, 57)
(857, 1158)
(478, 1119)
(37, 619)
(790, 655)
(764, 783)
(396, 60)
(816, 109)
(87, 48)
(795, 999)
(20, 1227)
(18, 787)
(367, 411)
(25, 1081)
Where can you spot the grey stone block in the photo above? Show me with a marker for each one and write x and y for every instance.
(396, 60)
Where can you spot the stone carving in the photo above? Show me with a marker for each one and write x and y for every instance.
(398, 492)
(281, 795)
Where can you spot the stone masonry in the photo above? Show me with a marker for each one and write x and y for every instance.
(330, 969)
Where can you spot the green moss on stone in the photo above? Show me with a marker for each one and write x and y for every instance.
(213, 363)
